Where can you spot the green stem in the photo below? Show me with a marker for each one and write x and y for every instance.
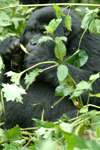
(81, 102)
(71, 79)
(47, 62)
(60, 4)
(91, 105)
(78, 99)
(60, 139)
(61, 61)
(88, 98)
(87, 28)
(2, 101)
(80, 126)
(58, 101)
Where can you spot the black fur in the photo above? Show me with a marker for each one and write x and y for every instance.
(43, 88)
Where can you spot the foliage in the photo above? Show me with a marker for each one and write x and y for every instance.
(91, 21)
(12, 18)
(59, 135)
(66, 133)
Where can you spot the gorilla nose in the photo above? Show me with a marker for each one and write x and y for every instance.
(33, 42)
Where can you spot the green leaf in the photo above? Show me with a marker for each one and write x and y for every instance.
(9, 147)
(79, 58)
(63, 90)
(15, 77)
(76, 93)
(83, 85)
(56, 7)
(16, 21)
(94, 24)
(10, 73)
(87, 18)
(59, 90)
(68, 22)
(97, 26)
(62, 72)
(31, 77)
(63, 38)
(4, 16)
(39, 123)
(68, 90)
(4, 23)
(45, 132)
(53, 24)
(58, 14)
(95, 121)
(98, 131)
(95, 95)
(18, 143)
(83, 57)
(2, 133)
(83, 110)
(94, 77)
(60, 49)
(13, 134)
(44, 38)
(66, 127)
(12, 92)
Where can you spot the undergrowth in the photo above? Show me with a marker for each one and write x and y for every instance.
(66, 133)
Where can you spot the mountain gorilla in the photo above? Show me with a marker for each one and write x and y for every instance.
(42, 90)
(42, 1)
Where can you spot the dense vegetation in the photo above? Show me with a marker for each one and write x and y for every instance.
(66, 133)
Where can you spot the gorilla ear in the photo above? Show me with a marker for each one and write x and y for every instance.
(66, 33)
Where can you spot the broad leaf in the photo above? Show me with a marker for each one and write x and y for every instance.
(62, 72)
(78, 59)
(44, 39)
(12, 92)
(13, 134)
(83, 85)
(31, 77)
(63, 90)
(68, 22)
(53, 25)
(60, 49)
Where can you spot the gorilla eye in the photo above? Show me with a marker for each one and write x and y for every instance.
(33, 31)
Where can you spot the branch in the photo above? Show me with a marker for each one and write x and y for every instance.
(60, 4)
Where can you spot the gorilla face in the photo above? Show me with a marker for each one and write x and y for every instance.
(35, 29)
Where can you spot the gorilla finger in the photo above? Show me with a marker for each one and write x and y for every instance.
(8, 53)
(6, 57)
(17, 44)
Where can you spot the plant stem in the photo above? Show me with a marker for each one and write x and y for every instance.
(38, 65)
(87, 28)
(60, 4)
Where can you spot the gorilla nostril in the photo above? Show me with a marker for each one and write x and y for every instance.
(33, 43)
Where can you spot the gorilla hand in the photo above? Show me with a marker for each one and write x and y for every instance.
(10, 51)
